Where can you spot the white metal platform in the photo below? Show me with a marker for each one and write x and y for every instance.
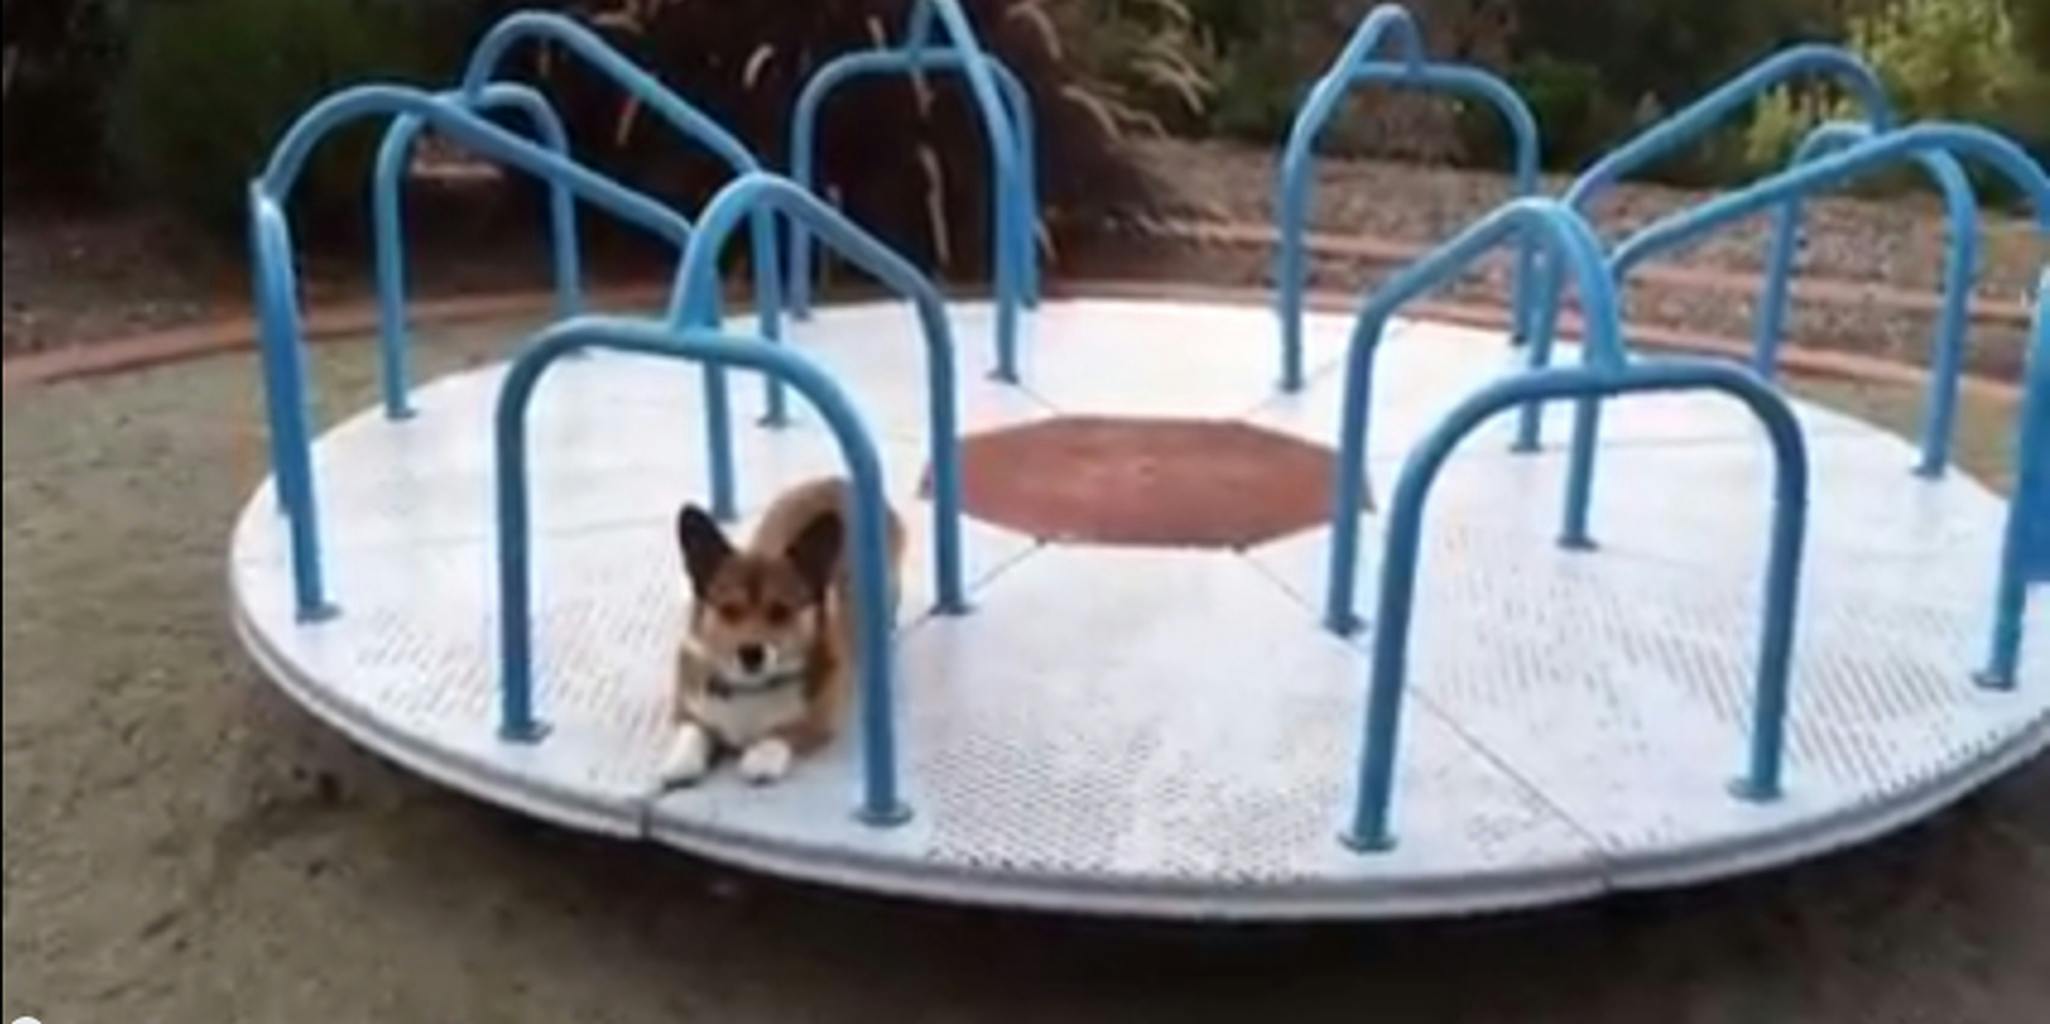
(1169, 732)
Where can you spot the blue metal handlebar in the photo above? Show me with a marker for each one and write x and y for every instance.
(1370, 828)
(693, 124)
(1666, 136)
(1352, 68)
(2025, 547)
(918, 24)
(1568, 242)
(1002, 138)
(283, 358)
(276, 280)
(1885, 150)
(1687, 124)
(880, 803)
(288, 158)
(694, 304)
(1960, 259)
(804, 143)
(477, 88)
(1383, 22)
(1571, 245)
(1672, 133)
(386, 185)
(544, 27)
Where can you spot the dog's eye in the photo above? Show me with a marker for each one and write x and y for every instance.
(779, 614)
(732, 613)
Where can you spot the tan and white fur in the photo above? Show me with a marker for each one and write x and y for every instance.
(768, 655)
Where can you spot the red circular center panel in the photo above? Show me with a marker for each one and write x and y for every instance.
(1153, 482)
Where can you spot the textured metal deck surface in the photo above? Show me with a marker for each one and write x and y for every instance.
(1169, 732)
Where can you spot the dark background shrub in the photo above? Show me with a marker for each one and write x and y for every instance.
(2029, 117)
(1575, 112)
(61, 60)
(1270, 53)
(180, 100)
(879, 145)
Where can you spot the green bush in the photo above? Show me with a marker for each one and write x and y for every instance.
(1945, 58)
(1258, 87)
(1576, 110)
(1951, 59)
(1144, 59)
(1267, 55)
(211, 85)
(1669, 50)
(1782, 118)
(1264, 58)
(2031, 116)
(1593, 71)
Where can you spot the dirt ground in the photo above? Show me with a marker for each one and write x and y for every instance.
(184, 844)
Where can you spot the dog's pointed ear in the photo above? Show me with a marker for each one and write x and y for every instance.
(705, 548)
(816, 549)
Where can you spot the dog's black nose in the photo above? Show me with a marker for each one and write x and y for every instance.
(751, 656)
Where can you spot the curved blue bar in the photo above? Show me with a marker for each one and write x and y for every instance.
(277, 282)
(1352, 68)
(695, 305)
(1001, 138)
(1370, 829)
(1677, 130)
(1884, 150)
(287, 403)
(880, 803)
(2025, 547)
(918, 26)
(1544, 298)
(541, 26)
(1385, 21)
(288, 159)
(768, 271)
(1960, 258)
(1736, 95)
(804, 141)
(694, 124)
(387, 182)
(1568, 243)
(1528, 304)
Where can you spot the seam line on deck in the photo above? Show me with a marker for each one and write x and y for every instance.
(1420, 699)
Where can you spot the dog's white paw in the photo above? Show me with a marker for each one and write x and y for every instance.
(690, 756)
(766, 761)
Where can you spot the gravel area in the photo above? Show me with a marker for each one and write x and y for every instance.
(184, 844)
(1896, 241)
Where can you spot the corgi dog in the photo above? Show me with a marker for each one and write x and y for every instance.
(769, 651)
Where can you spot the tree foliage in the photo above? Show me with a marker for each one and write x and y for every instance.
(1962, 60)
